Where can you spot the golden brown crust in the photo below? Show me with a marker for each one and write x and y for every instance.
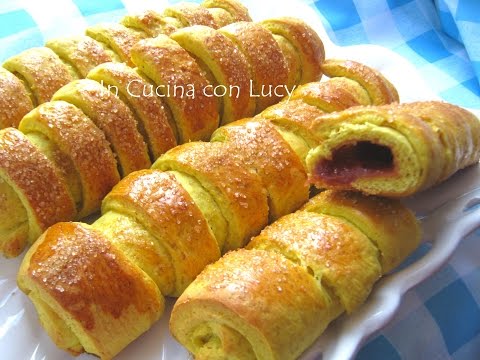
(262, 148)
(38, 185)
(154, 117)
(387, 223)
(160, 203)
(457, 129)
(306, 42)
(253, 296)
(191, 14)
(82, 52)
(296, 116)
(221, 17)
(169, 65)
(420, 152)
(15, 100)
(228, 66)
(233, 7)
(150, 22)
(41, 71)
(334, 95)
(339, 256)
(117, 38)
(258, 45)
(79, 138)
(113, 118)
(237, 190)
(245, 305)
(292, 59)
(92, 286)
(380, 90)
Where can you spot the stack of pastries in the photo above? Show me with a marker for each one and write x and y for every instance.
(98, 287)
(160, 227)
(68, 153)
(33, 76)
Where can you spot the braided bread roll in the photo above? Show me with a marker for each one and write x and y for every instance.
(293, 279)
(33, 76)
(96, 131)
(393, 150)
(200, 200)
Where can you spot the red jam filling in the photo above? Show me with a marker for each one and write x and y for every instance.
(354, 161)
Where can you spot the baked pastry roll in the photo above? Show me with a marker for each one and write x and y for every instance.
(352, 84)
(92, 300)
(33, 76)
(393, 150)
(154, 220)
(204, 199)
(172, 69)
(219, 57)
(41, 71)
(77, 147)
(292, 32)
(15, 100)
(130, 117)
(113, 118)
(262, 148)
(256, 43)
(154, 118)
(293, 279)
(236, 188)
(117, 39)
(81, 53)
(32, 199)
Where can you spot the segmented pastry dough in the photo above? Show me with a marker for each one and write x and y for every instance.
(121, 119)
(393, 150)
(199, 201)
(40, 72)
(273, 299)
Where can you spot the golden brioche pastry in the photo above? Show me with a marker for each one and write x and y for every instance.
(133, 116)
(155, 121)
(151, 23)
(235, 188)
(73, 144)
(293, 279)
(305, 42)
(393, 150)
(190, 14)
(113, 118)
(263, 148)
(204, 199)
(33, 193)
(117, 39)
(172, 68)
(255, 42)
(95, 299)
(381, 90)
(39, 73)
(81, 53)
(175, 227)
(299, 112)
(230, 71)
(234, 8)
(15, 100)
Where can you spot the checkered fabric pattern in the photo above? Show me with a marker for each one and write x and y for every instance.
(441, 37)
(439, 319)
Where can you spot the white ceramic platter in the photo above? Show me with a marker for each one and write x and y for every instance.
(21, 336)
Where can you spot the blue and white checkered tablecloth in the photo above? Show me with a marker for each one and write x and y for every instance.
(439, 319)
